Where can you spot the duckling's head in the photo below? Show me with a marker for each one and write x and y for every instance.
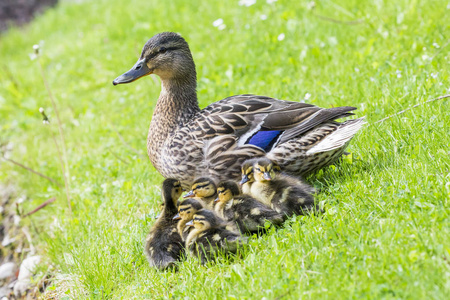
(202, 187)
(227, 190)
(247, 171)
(205, 219)
(187, 209)
(167, 55)
(171, 191)
(265, 170)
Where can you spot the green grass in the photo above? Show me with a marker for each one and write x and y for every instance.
(386, 230)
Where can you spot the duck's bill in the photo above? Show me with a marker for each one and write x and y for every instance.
(216, 200)
(190, 194)
(244, 179)
(177, 217)
(267, 176)
(140, 69)
(190, 223)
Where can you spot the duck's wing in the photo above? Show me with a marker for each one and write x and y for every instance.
(260, 121)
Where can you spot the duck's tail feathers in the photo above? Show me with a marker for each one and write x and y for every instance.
(319, 117)
(338, 138)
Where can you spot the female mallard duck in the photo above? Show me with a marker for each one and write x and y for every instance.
(185, 142)
(210, 236)
(280, 193)
(249, 214)
(164, 246)
(203, 189)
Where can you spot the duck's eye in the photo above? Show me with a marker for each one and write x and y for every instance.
(258, 169)
(162, 50)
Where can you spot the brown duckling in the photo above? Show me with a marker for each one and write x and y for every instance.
(186, 212)
(204, 190)
(248, 213)
(210, 236)
(164, 246)
(272, 188)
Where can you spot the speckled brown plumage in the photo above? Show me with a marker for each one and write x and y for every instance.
(185, 142)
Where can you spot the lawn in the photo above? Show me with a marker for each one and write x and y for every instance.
(386, 230)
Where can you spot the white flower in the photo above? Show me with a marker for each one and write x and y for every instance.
(217, 22)
(399, 73)
(41, 110)
(222, 27)
(263, 17)
(246, 2)
(332, 40)
(271, 1)
(372, 79)
(436, 45)
(448, 6)
(425, 57)
(281, 37)
(434, 75)
(307, 96)
(356, 70)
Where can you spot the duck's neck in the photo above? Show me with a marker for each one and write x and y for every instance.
(170, 209)
(177, 105)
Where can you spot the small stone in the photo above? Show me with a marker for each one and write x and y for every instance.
(7, 270)
(5, 292)
(28, 267)
(21, 287)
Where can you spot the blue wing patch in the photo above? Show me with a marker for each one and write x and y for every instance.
(265, 139)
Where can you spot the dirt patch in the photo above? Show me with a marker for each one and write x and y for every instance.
(19, 12)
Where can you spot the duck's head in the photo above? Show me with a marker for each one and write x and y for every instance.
(204, 219)
(265, 170)
(247, 171)
(187, 209)
(227, 190)
(167, 55)
(171, 191)
(202, 187)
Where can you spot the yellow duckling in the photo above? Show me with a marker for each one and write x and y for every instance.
(186, 212)
(204, 190)
(279, 192)
(248, 213)
(247, 176)
(164, 246)
(211, 236)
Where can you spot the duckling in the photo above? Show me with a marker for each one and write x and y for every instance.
(204, 190)
(273, 189)
(164, 246)
(211, 236)
(248, 213)
(186, 212)
(247, 175)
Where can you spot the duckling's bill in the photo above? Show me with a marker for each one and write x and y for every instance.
(190, 194)
(140, 69)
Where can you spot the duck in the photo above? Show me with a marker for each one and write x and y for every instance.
(247, 178)
(186, 211)
(164, 246)
(186, 142)
(203, 189)
(211, 236)
(280, 193)
(249, 214)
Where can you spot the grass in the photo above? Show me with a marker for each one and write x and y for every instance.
(386, 230)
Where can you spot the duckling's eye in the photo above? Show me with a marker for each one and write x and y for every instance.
(258, 169)
(163, 50)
